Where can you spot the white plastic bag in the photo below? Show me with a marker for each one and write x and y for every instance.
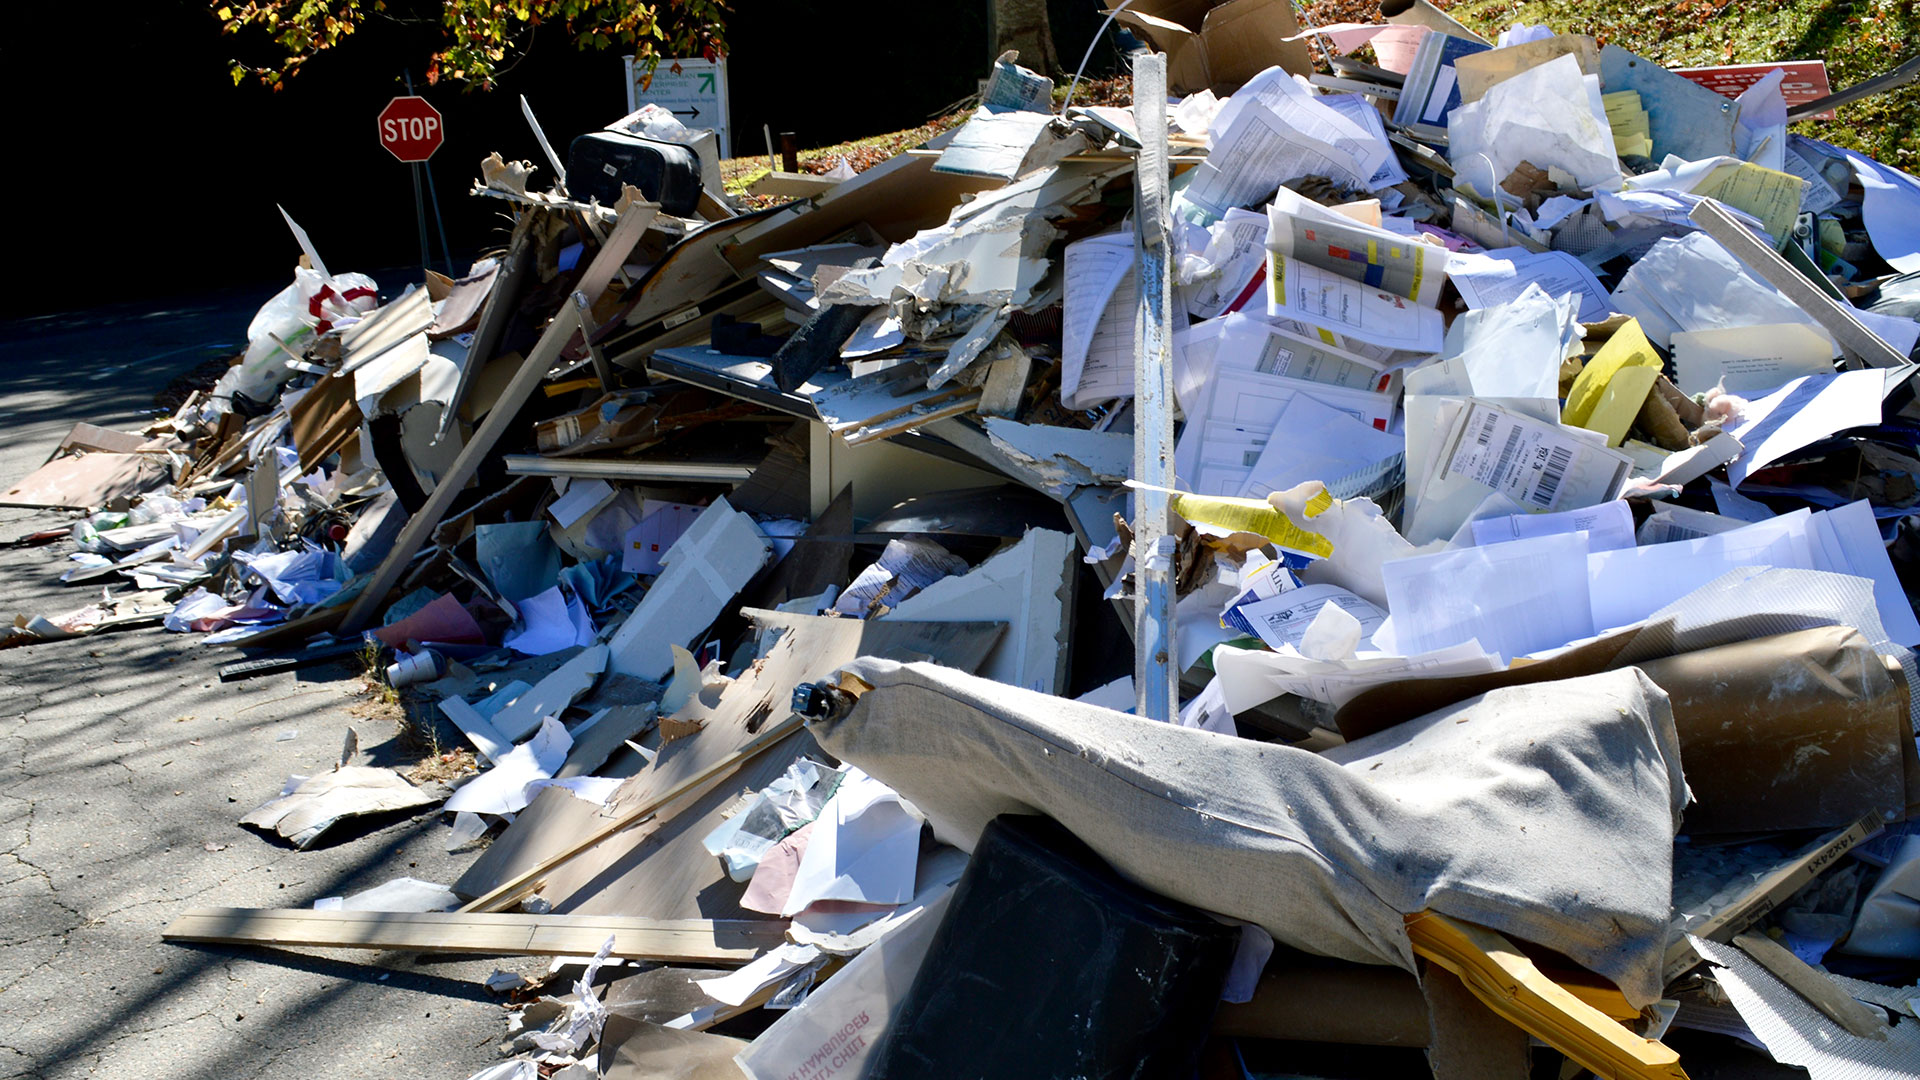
(311, 305)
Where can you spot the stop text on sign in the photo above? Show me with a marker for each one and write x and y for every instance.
(416, 128)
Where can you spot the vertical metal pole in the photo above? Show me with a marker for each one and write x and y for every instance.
(420, 219)
(1156, 676)
(419, 205)
(439, 221)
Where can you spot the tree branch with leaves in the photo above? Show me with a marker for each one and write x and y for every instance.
(481, 38)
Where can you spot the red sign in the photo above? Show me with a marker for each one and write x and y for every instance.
(1806, 80)
(411, 129)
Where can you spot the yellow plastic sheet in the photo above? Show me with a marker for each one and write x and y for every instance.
(1259, 517)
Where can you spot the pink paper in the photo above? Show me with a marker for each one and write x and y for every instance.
(442, 620)
(1394, 45)
(773, 880)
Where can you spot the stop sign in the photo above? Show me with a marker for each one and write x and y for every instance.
(410, 128)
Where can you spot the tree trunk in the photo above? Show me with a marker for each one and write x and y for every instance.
(1022, 25)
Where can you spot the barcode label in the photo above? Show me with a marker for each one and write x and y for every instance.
(1506, 454)
(1549, 483)
(1523, 458)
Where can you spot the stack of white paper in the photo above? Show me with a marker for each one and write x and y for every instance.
(1273, 130)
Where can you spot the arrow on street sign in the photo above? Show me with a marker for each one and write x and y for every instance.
(692, 89)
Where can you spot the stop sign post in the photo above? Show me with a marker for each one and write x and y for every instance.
(411, 129)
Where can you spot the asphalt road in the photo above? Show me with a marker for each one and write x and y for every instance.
(125, 765)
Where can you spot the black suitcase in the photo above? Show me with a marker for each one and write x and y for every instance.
(668, 173)
(1049, 965)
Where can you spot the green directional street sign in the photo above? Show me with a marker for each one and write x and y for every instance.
(695, 91)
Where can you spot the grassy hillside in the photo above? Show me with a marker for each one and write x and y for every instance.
(1857, 38)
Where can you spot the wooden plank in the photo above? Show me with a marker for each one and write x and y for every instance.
(511, 890)
(662, 869)
(673, 941)
(613, 254)
(1819, 990)
(1514, 988)
(532, 370)
(753, 714)
(494, 314)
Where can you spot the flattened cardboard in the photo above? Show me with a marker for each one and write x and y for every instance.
(461, 310)
(84, 481)
(1796, 731)
(93, 437)
(323, 421)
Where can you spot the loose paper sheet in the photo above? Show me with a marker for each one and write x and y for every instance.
(1097, 339)
(1499, 276)
(1252, 677)
(1299, 290)
(1628, 585)
(1283, 620)
(1608, 526)
(1512, 598)
(1315, 441)
(1550, 116)
(1749, 360)
(905, 567)
(865, 848)
(1803, 412)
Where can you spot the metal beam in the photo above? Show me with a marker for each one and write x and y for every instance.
(1155, 667)
(1858, 344)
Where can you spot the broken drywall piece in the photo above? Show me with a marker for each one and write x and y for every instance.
(600, 735)
(569, 683)
(1028, 586)
(703, 570)
(508, 786)
(1062, 459)
(308, 806)
(486, 738)
(685, 682)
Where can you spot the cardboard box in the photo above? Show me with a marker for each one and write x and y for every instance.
(1219, 46)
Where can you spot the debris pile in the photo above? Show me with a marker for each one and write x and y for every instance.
(1504, 462)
